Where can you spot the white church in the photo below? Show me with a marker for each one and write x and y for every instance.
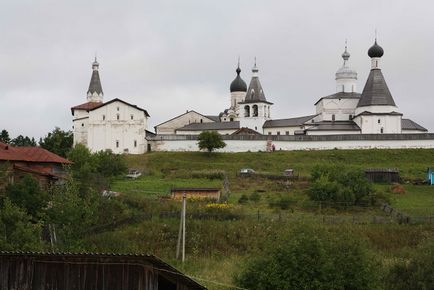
(346, 119)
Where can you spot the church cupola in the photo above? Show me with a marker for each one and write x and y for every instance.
(255, 93)
(95, 93)
(346, 77)
(375, 52)
(238, 84)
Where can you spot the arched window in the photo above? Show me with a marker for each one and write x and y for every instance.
(382, 130)
(201, 120)
(255, 110)
(231, 119)
(246, 111)
(117, 116)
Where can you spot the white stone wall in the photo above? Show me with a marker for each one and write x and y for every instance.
(80, 130)
(261, 145)
(190, 117)
(124, 135)
(282, 130)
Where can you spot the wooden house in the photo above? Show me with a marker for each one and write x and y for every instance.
(90, 271)
(41, 164)
(199, 192)
(384, 175)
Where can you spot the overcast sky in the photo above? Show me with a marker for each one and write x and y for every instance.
(173, 56)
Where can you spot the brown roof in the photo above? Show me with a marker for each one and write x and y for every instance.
(29, 154)
(87, 106)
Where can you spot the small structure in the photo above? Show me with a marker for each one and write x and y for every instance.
(247, 172)
(133, 173)
(41, 164)
(288, 172)
(67, 271)
(430, 175)
(383, 175)
(205, 193)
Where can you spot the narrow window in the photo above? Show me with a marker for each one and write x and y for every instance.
(269, 133)
(231, 119)
(135, 143)
(82, 124)
(350, 117)
(379, 121)
(333, 117)
(132, 117)
(201, 120)
(278, 132)
(256, 128)
(117, 109)
(103, 117)
(117, 116)
(382, 130)
(117, 143)
(287, 133)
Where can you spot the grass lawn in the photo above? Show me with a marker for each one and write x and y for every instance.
(417, 201)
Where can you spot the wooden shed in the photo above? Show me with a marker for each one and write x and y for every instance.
(386, 175)
(90, 271)
(430, 175)
(198, 192)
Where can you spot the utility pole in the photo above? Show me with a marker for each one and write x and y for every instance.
(181, 234)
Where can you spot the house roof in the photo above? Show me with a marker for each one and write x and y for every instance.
(121, 101)
(341, 95)
(29, 154)
(407, 124)
(246, 131)
(334, 126)
(208, 117)
(86, 106)
(107, 259)
(366, 113)
(210, 126)
(376, 92)
(291, 122)
(214, 118)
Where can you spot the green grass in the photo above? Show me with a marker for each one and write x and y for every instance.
(418, 200)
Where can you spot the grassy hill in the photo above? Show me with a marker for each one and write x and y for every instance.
(216, 248)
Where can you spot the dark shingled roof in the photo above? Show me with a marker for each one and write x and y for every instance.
(376, 92)
(255, 93)
(340, 95)
(287, 122)
(238, 84)
(214, 118)
(95, 82)
(407, 124)
(210, 126)
(335, 126)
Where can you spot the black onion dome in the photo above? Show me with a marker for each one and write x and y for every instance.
(238, 85)
(375, 50)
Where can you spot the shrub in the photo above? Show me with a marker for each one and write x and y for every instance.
(312, 258)
(243, 199)
(339, 185)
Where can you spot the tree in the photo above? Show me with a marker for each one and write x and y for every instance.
(312, 258)
(17, 231)
(110, 164)
(22, 141)
(58, 141)
(210, 140)
(4, 137)
(27, 194)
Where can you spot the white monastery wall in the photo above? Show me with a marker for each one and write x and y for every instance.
(261, 145)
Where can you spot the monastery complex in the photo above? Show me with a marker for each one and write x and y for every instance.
(346, 119)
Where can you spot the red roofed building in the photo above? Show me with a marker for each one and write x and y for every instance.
(42, 164)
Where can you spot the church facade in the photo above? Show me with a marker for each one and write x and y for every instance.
(114, 125)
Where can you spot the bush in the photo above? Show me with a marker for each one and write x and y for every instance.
(417, 272)
(335, 184)
(243, 199)
(255, 197)
(312, 258)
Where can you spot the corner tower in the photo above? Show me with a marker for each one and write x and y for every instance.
(376, 111)
(95, 93)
